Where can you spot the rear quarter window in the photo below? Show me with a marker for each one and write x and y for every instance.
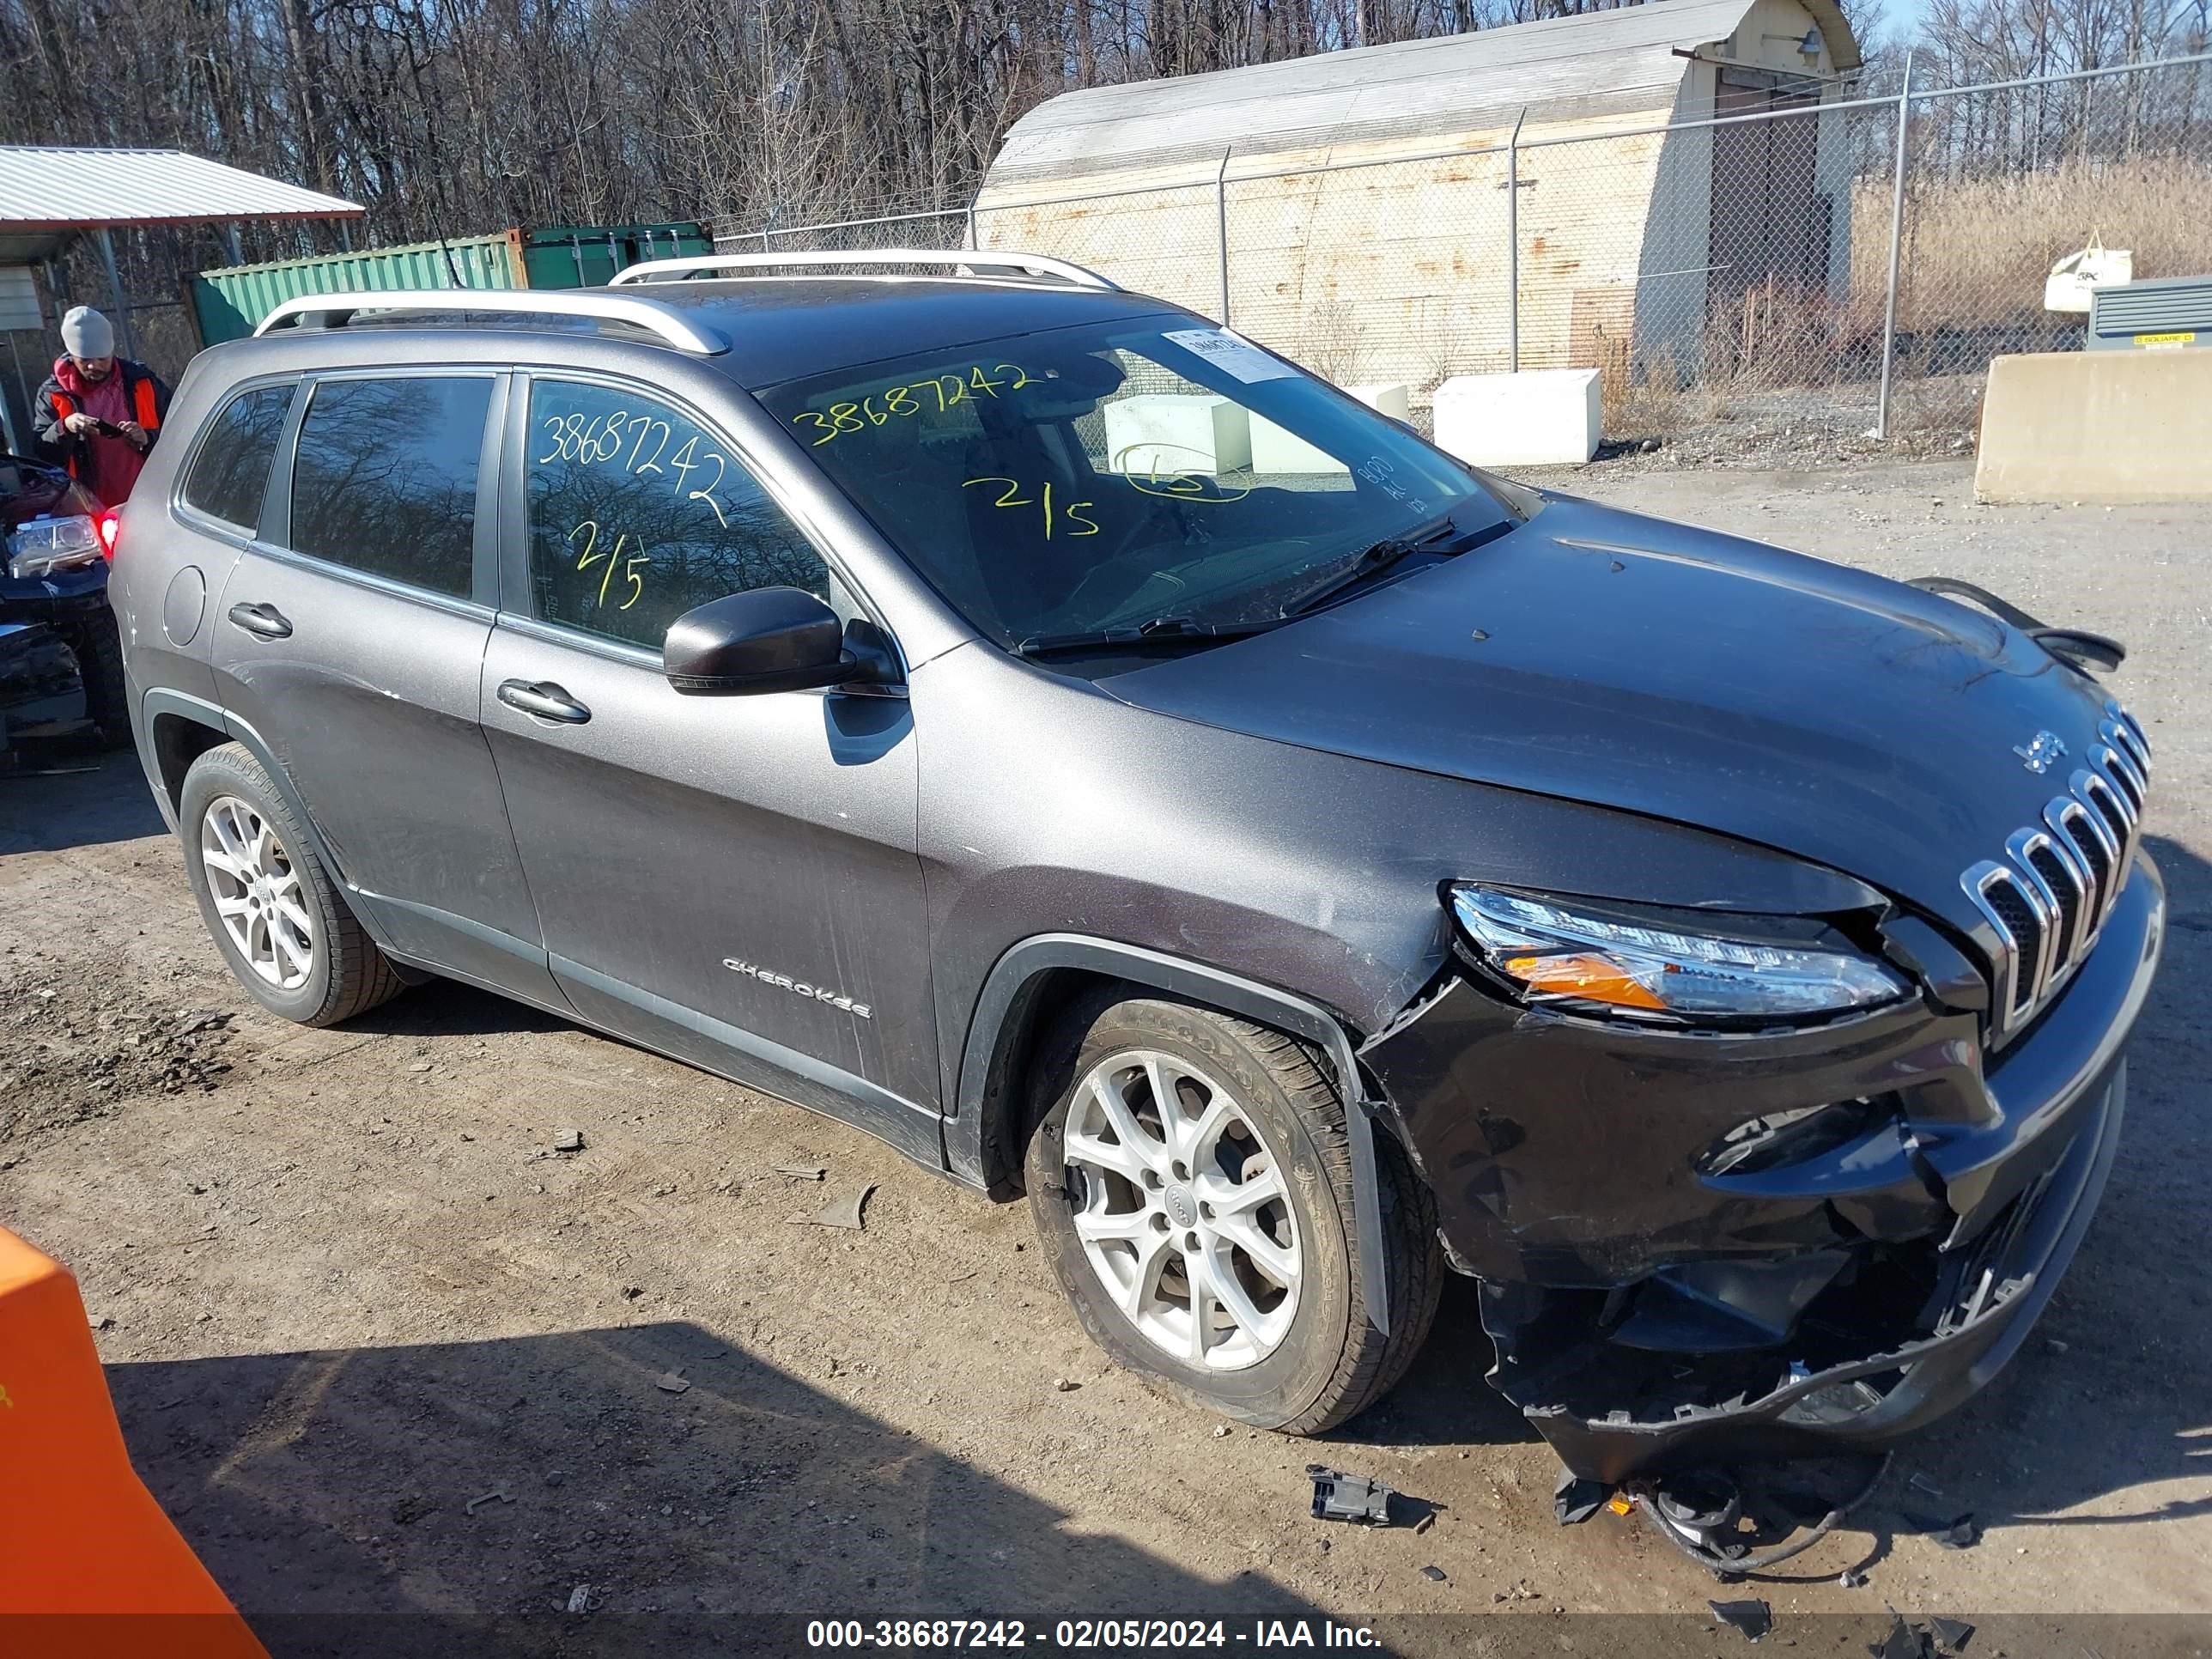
(231, 469)
(384, 480)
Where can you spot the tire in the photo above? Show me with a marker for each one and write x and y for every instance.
(1325, 1363)
(98, 648)
(344, 973)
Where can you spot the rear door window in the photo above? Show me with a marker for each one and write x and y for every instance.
(232, 468)
(384, 478)
(638, 513)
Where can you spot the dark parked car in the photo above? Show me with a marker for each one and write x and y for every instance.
(53, 572)
(906, 696)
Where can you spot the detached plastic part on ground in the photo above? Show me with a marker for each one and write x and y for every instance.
(92, 1566)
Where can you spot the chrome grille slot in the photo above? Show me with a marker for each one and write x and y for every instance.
(2132, 736)
(2068, 887)
(2121, 771)
(2046, 900)
(2095, 853)
(2118, 824)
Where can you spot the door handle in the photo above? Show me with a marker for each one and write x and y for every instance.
(264, 620)
(547, 700)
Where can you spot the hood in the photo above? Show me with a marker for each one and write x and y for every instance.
(1605, 657)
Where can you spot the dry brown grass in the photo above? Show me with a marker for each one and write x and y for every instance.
(1977, 250)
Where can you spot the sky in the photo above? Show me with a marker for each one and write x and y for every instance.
(1899, 17)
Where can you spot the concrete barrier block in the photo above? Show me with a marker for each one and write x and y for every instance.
(2109, 426)
(1393, 399)
(1178, 432)
(1538, 418)
(1274, 450)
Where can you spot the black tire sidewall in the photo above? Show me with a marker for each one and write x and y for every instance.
(1281, 1388)
(97, 645)
(222, 772)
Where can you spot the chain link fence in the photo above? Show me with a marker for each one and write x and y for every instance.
(1849, 267)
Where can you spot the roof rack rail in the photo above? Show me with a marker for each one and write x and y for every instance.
(1029, 264)
(666, 323)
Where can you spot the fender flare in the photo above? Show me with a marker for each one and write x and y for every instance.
(200, 712)
(1025, 962)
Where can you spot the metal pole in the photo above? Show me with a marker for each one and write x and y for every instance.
(115, 287)
(972, 243)
(1896, 236)
(1221, 227)
(237, 247)
(1513, 244)
(24, 386)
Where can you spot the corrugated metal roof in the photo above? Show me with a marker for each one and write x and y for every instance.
(51, 188)
(1623, 59)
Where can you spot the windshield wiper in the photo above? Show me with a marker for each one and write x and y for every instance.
(1442, 534)
(1150, 634)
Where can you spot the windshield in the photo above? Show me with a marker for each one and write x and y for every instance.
(1108, 475)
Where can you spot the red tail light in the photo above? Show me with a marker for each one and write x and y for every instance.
(103, 525)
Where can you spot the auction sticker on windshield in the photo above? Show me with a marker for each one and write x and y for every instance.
(1227, 350)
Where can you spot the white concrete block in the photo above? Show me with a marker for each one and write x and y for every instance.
(1274, 450)
(1538, 418)
(1393, 399)
(1178, 432)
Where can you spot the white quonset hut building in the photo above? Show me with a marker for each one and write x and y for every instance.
(1636, 246)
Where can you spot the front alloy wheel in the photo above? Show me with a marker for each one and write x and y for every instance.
(1182, 1210)
(257, 892)
(1191, 1179)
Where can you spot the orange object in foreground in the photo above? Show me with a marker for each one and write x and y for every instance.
(89, 1565)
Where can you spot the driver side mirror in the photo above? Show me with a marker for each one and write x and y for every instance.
(771, 639)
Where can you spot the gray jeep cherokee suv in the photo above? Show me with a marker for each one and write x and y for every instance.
(1038, 726)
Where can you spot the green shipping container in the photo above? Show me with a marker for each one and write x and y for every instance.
(229, 304)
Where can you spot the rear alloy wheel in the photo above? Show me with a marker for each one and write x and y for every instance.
(1191, 1177)
(257, 893)
(281, 922)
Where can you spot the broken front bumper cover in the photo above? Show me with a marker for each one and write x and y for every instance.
(1657, 1300)
(1884, 1396)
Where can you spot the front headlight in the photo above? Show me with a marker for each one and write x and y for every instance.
(41, 547)
(1608, 964)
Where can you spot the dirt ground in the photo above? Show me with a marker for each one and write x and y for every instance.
(378, 1349)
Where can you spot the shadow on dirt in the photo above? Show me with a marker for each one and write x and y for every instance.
(76, 799)
(669, 1471)
(446, 1007)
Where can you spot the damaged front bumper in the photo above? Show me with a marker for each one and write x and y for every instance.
(1704, 1248)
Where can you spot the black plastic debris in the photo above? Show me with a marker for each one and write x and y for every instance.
(1575, 1500)
(1340, 1497)
(1962, 1533)
(1951, 1635)
(1754, 1618)
(1903, 1641)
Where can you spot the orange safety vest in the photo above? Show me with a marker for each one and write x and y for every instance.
(142, 399)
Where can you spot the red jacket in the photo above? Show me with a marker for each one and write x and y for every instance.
(87, 456)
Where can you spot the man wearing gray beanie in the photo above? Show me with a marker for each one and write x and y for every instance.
(99, 414)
